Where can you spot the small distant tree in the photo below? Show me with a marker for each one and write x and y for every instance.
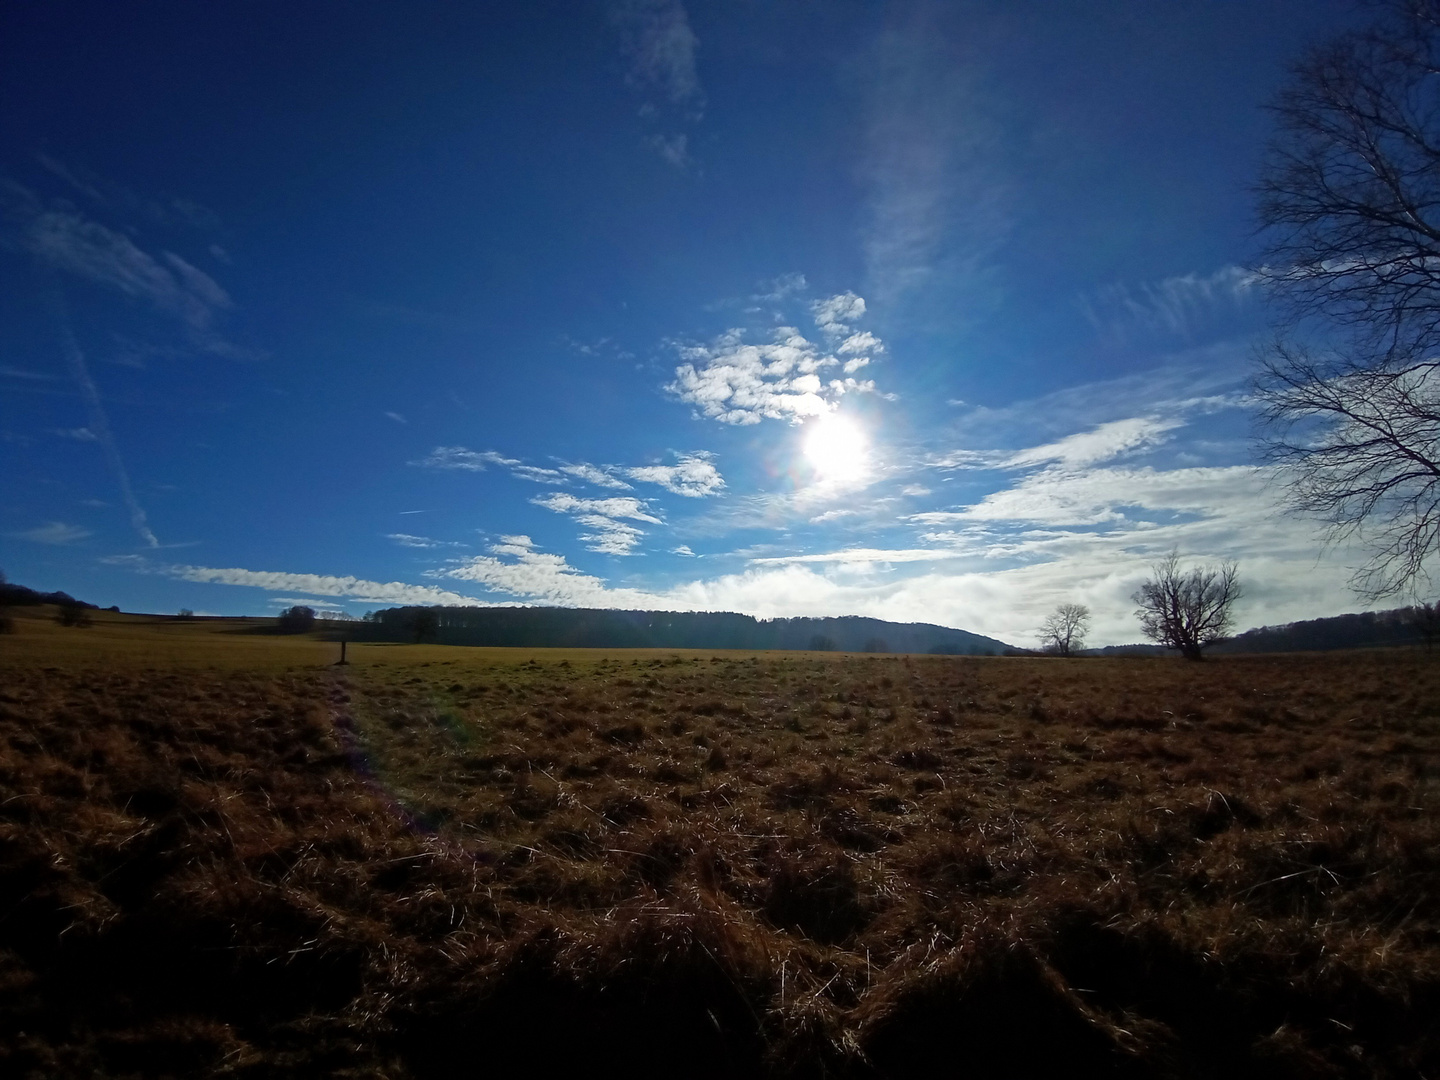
(1064, 629)
(822, 643)
(1187, 610)
(877, 644)
(73, 615)
(297, 619)
(184, 614)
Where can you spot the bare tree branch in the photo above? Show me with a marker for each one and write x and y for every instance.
(1350, 196)
(1064, 629)
(1187, 610)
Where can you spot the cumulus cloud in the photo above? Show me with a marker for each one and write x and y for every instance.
(863, 342)
(603, 517)
(694, 475)
(55, 532)
(515, 568)
(737, 382)
(834, 315)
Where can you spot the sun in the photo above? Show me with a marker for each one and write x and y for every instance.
(836, 448)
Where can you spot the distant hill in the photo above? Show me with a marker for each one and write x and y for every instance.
(1361, 630)
(585, 628)
(20, 596)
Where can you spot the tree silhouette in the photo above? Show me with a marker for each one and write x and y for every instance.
(1350, 198)
(1064, 629)
(1187, 610)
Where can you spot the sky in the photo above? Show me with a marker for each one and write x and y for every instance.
(922, 311)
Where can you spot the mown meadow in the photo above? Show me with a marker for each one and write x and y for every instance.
(222, 853)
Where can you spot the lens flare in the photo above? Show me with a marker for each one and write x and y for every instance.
(836, 448)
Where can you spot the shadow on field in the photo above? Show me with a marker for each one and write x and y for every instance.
(680, 1017)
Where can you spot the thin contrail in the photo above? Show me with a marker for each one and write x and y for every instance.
(99, 423)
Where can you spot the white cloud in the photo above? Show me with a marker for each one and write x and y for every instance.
(736, 382)
(537, 474)
(1061, 496)
(458, 457)
(1176, 305)
(599, 475)
(620, 506)
(1101, 443)
(863, 342)
(694, 475)
(934, 160)
(407, 540)
(80, 434)
(396, 417)
(20, 373)
(673, 148)
(516, 569)
(660, 46)
(684, 549)
(608, 534)
(375, 592)
(868, 555)
(55, 532)
(69, 241)
(780, 288)
(834, 315)
(305, 601)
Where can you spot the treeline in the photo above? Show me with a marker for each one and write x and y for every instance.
(591, 628)
(1418, 625)
(1363, 630)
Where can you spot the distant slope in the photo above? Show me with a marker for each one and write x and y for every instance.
(12, 595)
(606, 629)
(1360, 630)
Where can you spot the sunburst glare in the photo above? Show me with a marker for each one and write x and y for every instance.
(837, 448)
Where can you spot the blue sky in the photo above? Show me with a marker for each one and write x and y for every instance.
(923, 311)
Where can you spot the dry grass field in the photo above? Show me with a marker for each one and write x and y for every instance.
(219, 853)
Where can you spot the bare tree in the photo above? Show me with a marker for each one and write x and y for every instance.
(1064, 629)
(1350, 197)
(1187, 610)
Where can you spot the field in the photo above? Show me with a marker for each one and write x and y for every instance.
(221, 853)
